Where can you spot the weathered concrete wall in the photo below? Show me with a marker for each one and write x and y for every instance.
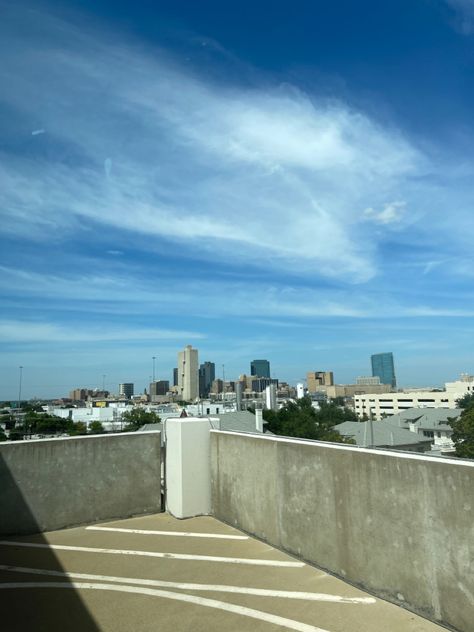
(55, 483)
(399, 525)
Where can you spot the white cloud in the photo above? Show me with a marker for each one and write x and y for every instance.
(19, 331)
(391, 213)
(252, 300)
(261, 175)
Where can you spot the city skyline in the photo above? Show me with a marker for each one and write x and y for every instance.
(300, 193)
(141, 385)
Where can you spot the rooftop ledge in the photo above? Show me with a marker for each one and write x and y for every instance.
(397, 525)
(352, 448)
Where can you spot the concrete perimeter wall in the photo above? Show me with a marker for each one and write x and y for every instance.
(398, 525)
(55, 483)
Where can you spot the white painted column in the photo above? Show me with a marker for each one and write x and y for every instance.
(188, 467)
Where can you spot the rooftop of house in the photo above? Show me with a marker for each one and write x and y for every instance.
(425, 418)
(156, 572)
(384, 434)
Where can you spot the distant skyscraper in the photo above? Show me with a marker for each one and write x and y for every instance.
(260, 368)
(207, 375)
(383, 367)
(188, 369)
(157, 388)
(175, 377)
(126, 390)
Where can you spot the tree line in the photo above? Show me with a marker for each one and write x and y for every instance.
(37, 422)
(463, 428)
(300, 419)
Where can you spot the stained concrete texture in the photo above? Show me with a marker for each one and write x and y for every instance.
(157, 573)
(56, 483)
(397, 524)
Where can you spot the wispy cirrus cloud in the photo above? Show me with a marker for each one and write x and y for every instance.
(129, 294)
(34, 331)
(147, 203)
(266, 175)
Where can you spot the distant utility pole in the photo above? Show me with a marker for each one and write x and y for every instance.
(19, 388)
(154, 358)
(223, 382)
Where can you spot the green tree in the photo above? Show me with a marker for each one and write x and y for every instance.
(300, 419)
(95, 427)
(463, 433)
(138, 417)
(466, 402)
(37, 408)
(3, 436)
(8, 420)
(42, 423)
(16, 435)
(77, 428)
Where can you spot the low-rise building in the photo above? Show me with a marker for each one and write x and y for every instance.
(351, 390)
(379, 405)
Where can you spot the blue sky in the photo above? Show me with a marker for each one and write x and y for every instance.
(281, 180)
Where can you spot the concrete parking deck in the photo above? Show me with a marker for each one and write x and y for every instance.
(158, 573)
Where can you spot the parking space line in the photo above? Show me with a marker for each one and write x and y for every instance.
(172, 556)
(198, 601)
(180, 534)
(241, 590)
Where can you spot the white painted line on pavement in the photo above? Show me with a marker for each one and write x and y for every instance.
(198, 601)
(241, 590)
(179, 534)
(171, 556)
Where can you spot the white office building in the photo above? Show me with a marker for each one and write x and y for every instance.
(379, 405)
(188, 374)
(271, 397)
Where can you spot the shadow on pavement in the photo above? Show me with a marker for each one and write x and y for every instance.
(27, 609)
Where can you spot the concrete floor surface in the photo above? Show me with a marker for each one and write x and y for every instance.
(156, 573)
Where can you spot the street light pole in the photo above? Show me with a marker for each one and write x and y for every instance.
(19, 389)
(19, 397)
(223, 383)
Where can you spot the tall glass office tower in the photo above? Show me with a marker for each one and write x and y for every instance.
(207, 375)
(260, 368)
(383, 367)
